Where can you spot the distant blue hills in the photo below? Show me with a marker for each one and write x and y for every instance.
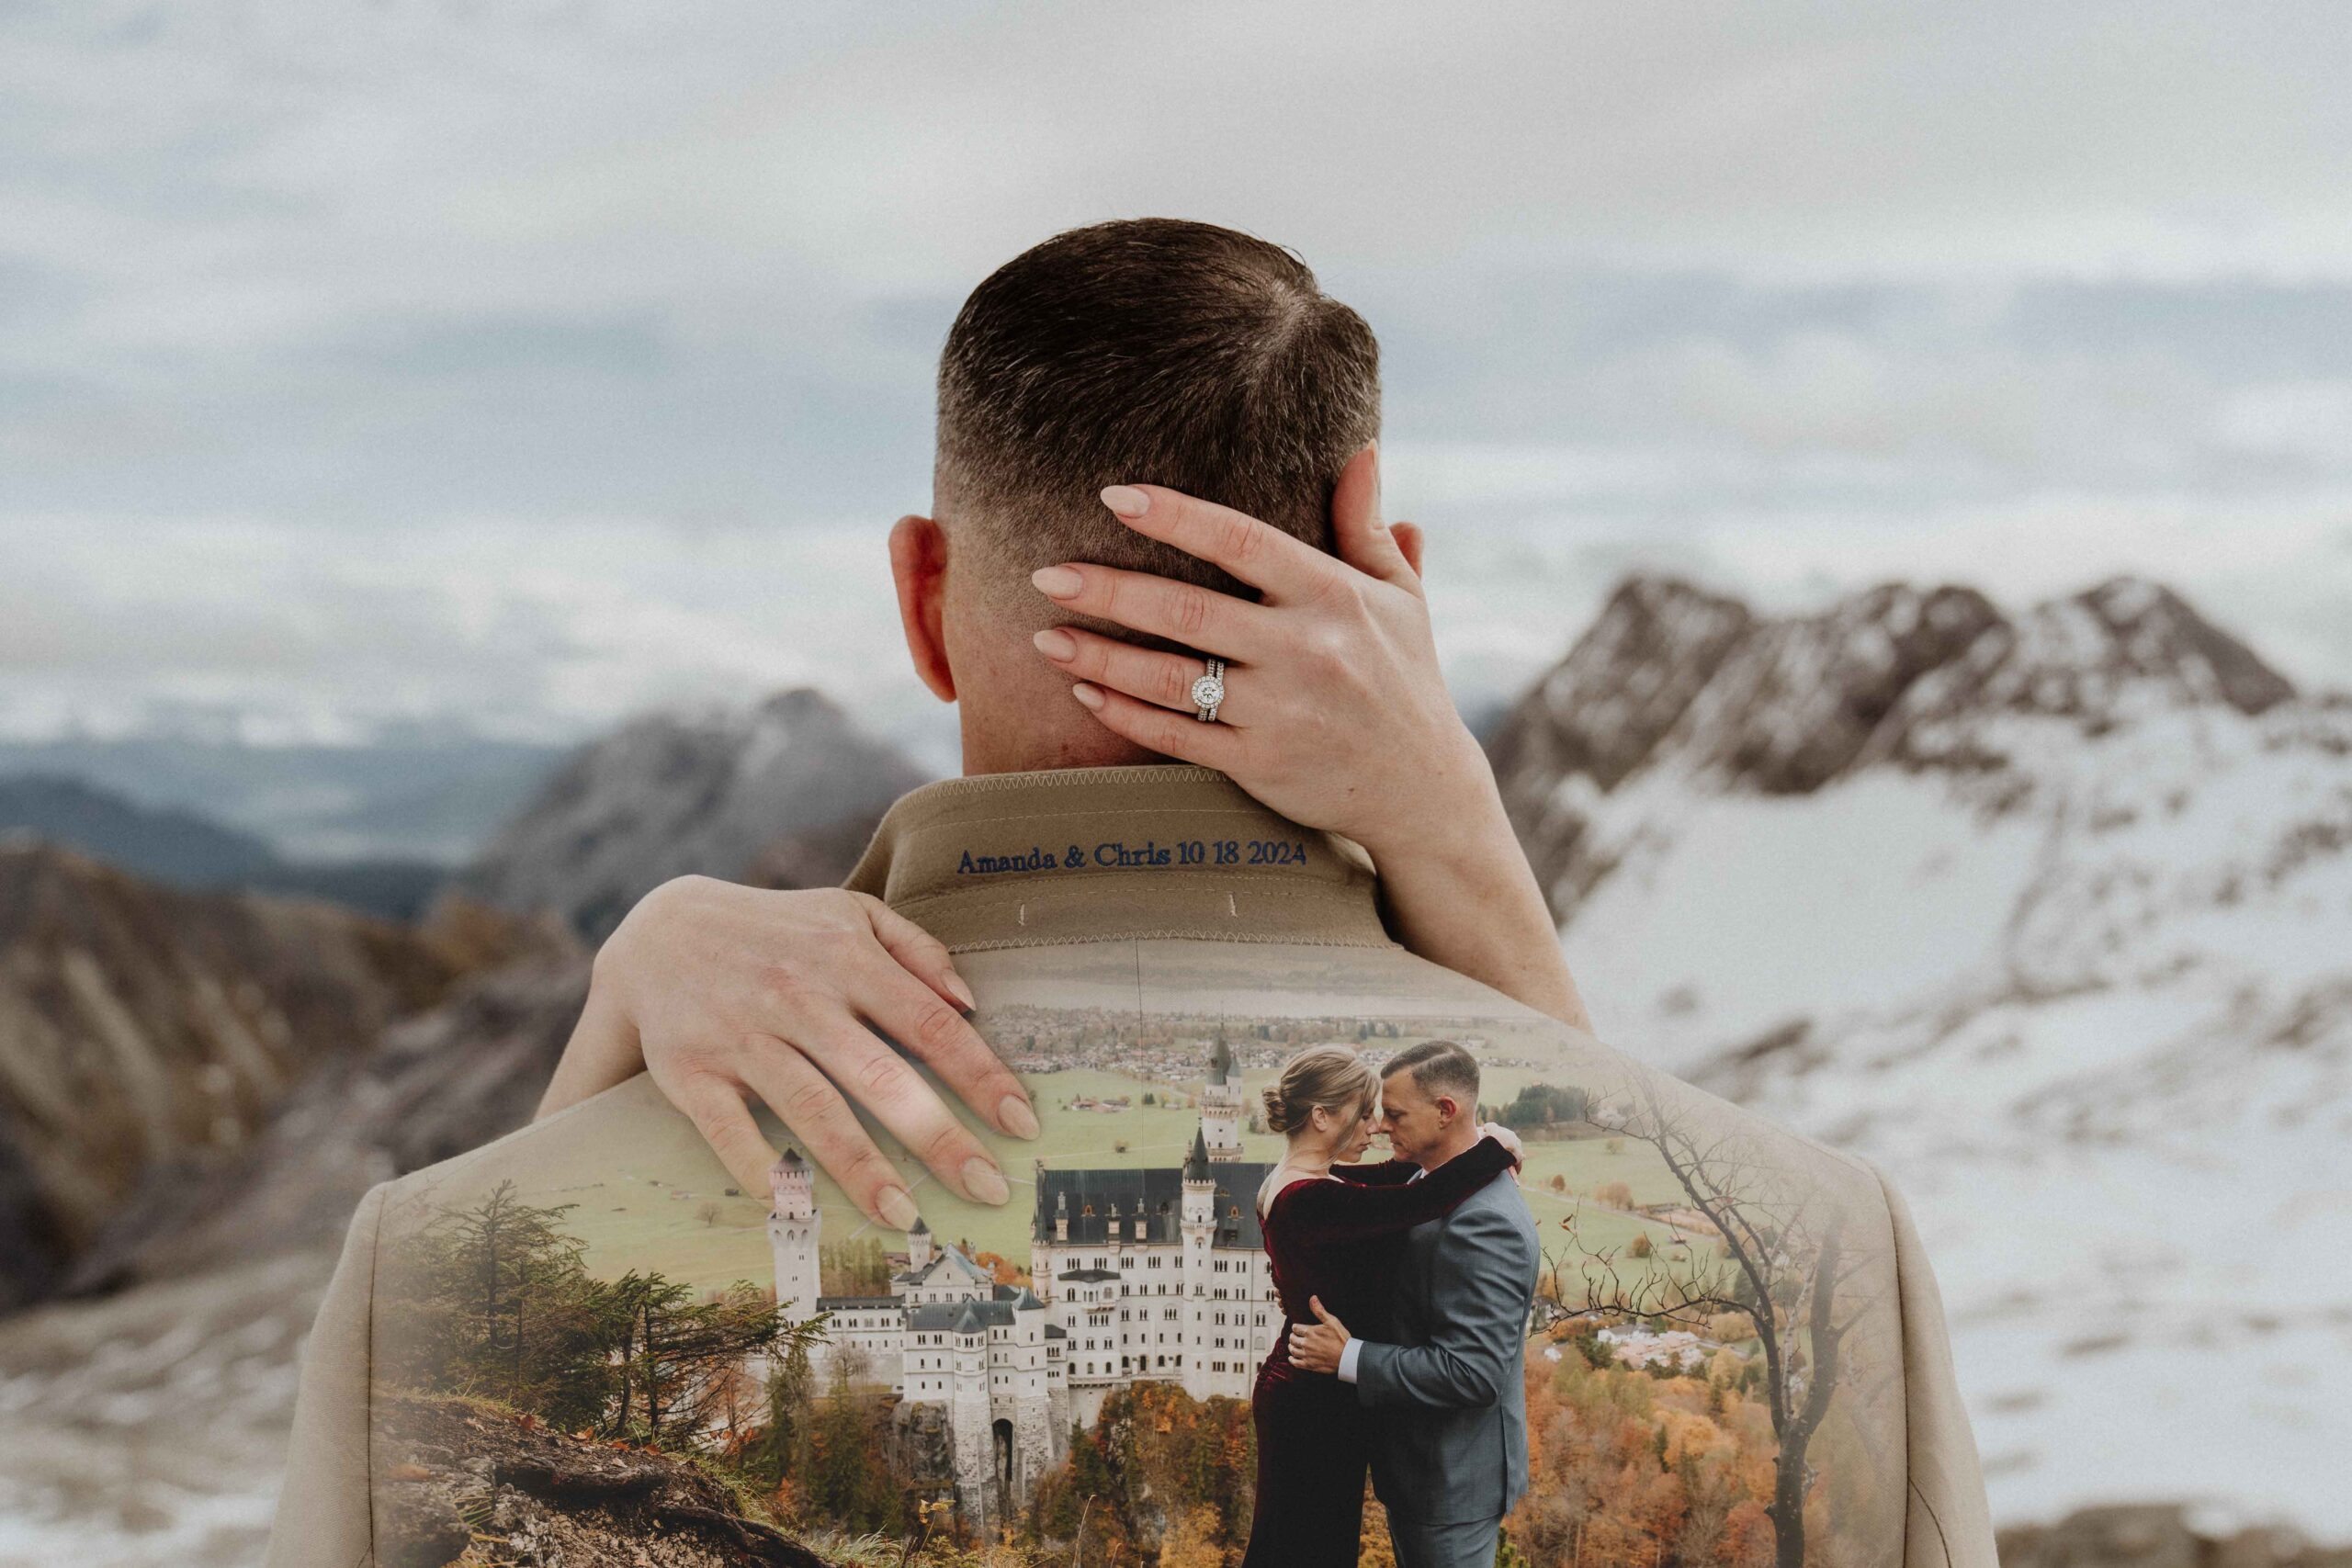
(184, 849)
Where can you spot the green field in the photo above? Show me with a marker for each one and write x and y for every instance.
(633, 1208)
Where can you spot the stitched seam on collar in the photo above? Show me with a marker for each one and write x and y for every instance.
(1187, 933)
(1067, 814)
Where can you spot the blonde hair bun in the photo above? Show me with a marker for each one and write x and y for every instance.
(1333, 1076)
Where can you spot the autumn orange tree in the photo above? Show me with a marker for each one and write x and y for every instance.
(1158, 1467)
(1782, 1260)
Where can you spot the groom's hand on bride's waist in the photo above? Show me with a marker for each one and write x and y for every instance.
(1318, 1346)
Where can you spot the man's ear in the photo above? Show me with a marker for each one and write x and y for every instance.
(918, 565)
(1408, 544)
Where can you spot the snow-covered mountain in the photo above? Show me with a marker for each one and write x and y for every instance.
(2052, 913)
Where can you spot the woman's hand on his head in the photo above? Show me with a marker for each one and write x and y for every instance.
(1336, 713)
(727, 991)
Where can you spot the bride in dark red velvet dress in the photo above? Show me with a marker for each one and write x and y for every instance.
(1331, 1231)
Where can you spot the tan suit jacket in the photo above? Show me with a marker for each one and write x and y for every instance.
(1131, 929)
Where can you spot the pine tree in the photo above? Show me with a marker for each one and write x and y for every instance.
(849, 1479)
(784, 1450)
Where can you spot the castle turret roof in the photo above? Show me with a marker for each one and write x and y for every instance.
(1196, 1164)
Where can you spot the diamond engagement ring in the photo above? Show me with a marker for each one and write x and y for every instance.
(1209, 690)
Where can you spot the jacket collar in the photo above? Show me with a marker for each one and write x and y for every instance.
(1091, 854)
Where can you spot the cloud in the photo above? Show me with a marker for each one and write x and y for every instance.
(565, 270)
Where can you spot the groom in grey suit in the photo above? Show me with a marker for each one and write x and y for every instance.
(1449, 1456)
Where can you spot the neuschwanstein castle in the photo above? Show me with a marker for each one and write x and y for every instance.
(1140, 1273)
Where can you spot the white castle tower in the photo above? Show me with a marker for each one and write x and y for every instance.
(918, 1246)
(1221, 1103)
(946, 1334)
(968, 1416)
(793, 1224)
(1200, 1191)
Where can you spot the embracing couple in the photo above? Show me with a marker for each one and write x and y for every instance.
(1161, 353)
(1405, 1289)
(1347, 867)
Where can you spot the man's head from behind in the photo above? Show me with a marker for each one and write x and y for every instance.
(1429, 1102)
(1149, 350)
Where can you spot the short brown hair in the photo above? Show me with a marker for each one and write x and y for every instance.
(1150, 350)
(1439, 1067)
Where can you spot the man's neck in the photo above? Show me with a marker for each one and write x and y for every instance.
(1036, 727)
(1459, 1142)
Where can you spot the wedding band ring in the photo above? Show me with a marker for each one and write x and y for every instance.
(1209, 691)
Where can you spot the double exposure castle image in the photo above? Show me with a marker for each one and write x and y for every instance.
(1140, 1273)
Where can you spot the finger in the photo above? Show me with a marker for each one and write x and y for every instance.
(814, 1110)
(856, 1059)
(716, 1108)
(1185, 612)
(1156, 729)
(923, 954)
(1276, 563)
(1364, 541)
(941, 1038)
(1148, 674)
(1317, 1302)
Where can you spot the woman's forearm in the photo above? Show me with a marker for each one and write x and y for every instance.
(604, 1050)
(1465, 898)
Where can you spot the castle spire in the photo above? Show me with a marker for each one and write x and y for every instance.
(1196, 1164)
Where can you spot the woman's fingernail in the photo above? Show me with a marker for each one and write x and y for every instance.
(963, 992)
(1056, 643)
(896, 1207)
(1126, 500)
(1018, 1118)
(984, 1181)
(1091, 696)
(1056, 582)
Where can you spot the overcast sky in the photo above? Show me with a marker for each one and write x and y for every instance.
(527, 363)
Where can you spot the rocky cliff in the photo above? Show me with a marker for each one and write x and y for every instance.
(143, 1027)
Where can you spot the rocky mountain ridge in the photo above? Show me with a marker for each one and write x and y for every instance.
(191, 1077)
(145, 1025)
(2050, 913)
(789, 788)
(1673, 678)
